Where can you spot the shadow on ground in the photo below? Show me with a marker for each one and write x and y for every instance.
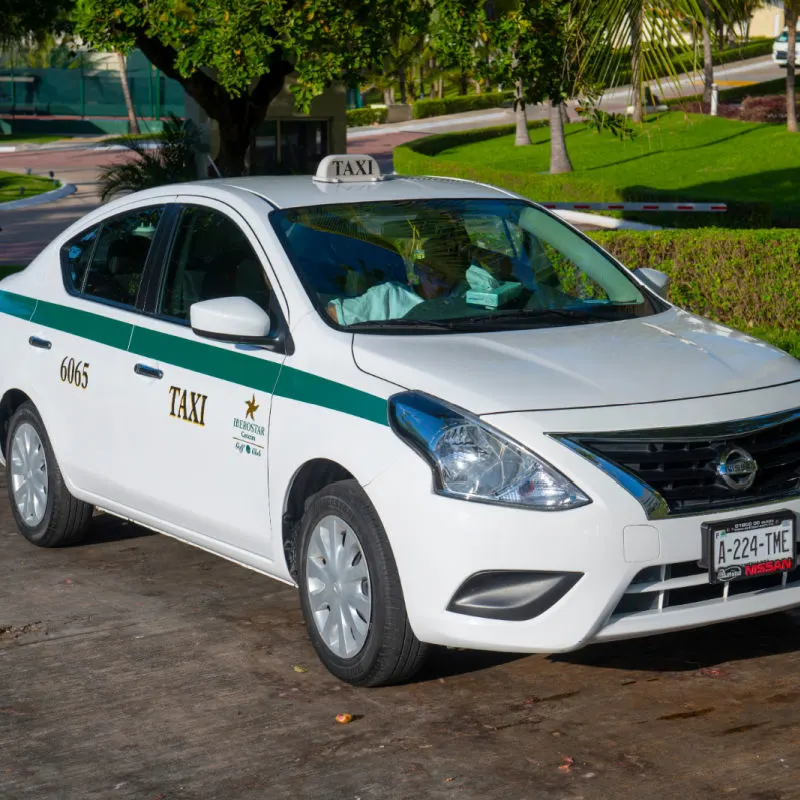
(696, 649)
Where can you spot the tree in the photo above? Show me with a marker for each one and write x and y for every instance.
(525, 47)
(791, 8)
(650, 28)
(455, 32)
(234, 56)
(133, 125)
(32, 19)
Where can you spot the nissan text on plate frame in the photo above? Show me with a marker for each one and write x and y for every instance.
(443, 413)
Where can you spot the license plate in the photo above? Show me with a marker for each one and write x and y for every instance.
(749, 547)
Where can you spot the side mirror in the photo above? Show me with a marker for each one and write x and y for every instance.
(230, 319)
(654, 279)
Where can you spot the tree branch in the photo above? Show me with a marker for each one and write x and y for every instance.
(208, 94)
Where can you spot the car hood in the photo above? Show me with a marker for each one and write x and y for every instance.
(670, 356)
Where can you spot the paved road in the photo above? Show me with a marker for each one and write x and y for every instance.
(135, 667)
(26, 231)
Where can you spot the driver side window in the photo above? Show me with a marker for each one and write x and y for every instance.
(211, 257)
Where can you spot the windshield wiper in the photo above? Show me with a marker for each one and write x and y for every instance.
(535, 314)
(400, 324)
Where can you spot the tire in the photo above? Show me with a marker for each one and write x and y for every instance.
(378, 647)
(61, 519)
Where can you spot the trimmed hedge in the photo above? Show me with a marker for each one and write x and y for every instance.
(365, 116)
(746, 279)
(686, 62)
(458, 104)
(419, 158)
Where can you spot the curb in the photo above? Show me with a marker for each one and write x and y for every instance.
(39, 199)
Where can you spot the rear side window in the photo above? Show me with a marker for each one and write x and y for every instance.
(107, 261)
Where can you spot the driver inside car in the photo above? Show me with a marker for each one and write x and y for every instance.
(436, 272)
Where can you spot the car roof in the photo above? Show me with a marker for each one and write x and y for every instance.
(291, 191)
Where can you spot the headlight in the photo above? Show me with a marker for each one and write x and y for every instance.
(472, 461)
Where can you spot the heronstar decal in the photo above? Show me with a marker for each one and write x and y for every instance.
(249, 437)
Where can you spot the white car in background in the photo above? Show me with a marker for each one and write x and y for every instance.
(444, 414)
(780, 50)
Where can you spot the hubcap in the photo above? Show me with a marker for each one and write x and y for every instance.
(338, 587)
(28, 468)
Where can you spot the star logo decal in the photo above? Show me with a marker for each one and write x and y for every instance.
(252, 407)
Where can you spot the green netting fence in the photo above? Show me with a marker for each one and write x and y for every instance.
(83, 92)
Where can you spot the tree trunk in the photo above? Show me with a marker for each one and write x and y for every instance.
(463, 81)
(791, 48)
(559, 157)
(440, 88)
(637, 21)
(238, 117)
(133, 125)
(708, 62)
(401, 80)
(523, 134)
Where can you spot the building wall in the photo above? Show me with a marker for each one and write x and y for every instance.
(767, 21)
(326, 124)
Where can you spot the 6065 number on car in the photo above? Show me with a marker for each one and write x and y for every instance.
(75, 372)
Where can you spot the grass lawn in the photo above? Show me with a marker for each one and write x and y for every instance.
(692, 156)
(24, 138)
(10, 183)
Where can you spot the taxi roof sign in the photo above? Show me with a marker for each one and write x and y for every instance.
(348, 169)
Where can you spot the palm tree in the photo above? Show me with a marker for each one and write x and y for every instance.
(650, 28)
(791, 8)
(133, 125)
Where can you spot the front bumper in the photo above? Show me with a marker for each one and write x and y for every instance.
(639, 576)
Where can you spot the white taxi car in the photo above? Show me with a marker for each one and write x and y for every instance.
(442, 412)
(780, 50)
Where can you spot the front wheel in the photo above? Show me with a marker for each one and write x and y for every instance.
(350, 591)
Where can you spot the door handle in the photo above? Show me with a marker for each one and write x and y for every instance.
(37, 342)
(148, 372)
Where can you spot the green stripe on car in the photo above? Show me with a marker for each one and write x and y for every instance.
(206, 359)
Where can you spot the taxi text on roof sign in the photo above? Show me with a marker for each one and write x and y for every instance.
(347, 168)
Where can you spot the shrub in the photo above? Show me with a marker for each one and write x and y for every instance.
(457, 104)
(365, 116)
(746, 279)
(173, 161)
(771, 108)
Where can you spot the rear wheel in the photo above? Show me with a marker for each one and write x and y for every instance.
(44, 510)
(350, 591)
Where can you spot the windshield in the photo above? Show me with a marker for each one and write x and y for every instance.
(453, 265)
(784, 37)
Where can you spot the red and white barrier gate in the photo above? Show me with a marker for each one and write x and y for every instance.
(717, 207)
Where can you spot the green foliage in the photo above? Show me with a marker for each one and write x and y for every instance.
(241, 40)
(598, 120)
(22, 19)
(746, 279)
(458, 104)
(173, 161)
(674, 157)
(681, 60)
(365, 116)
(686, 62)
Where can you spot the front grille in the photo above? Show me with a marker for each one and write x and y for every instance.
(656, 589)
(681, 464)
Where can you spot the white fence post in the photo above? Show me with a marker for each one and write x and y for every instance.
(714, 99)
